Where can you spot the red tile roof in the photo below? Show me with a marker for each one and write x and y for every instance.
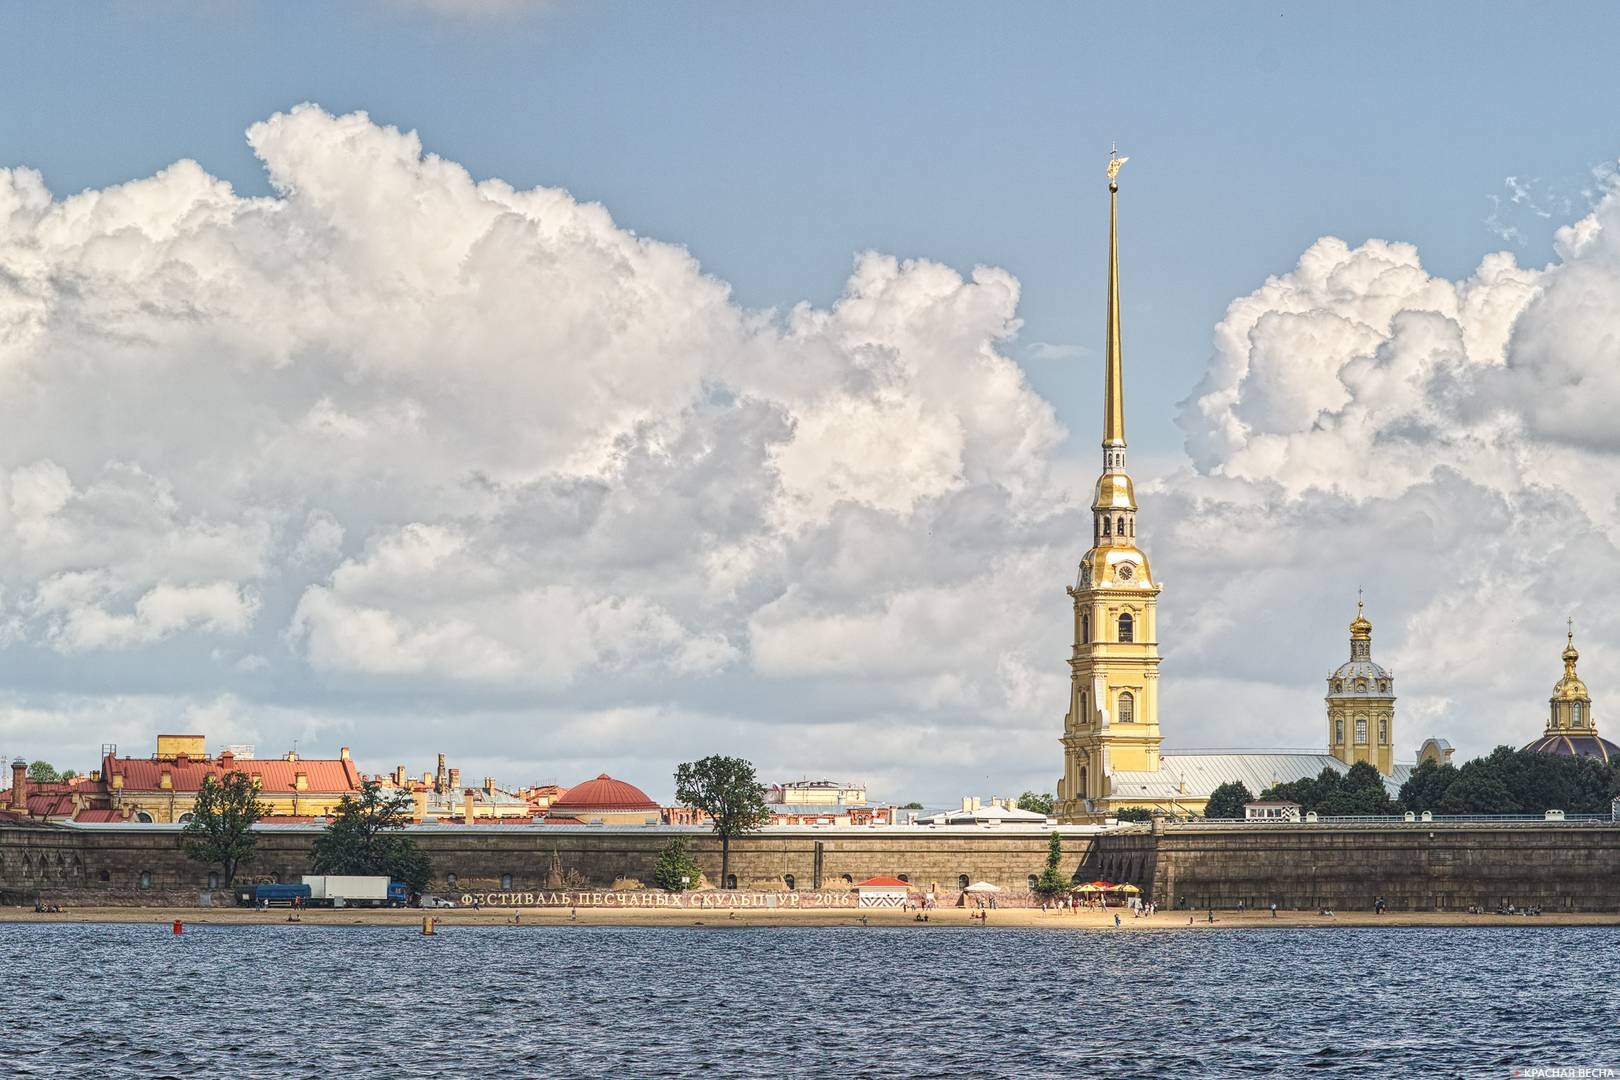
(99, 816)
(604, 794)
(324, 775)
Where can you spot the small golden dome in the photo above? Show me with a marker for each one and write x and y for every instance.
(1114, 492)
(1570, 687)
(1360, 628)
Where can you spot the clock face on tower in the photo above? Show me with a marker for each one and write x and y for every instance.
(1124, 571)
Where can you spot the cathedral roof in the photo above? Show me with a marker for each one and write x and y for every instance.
(1194, 774)
(1586, 745)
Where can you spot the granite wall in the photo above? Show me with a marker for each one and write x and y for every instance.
(128, 864)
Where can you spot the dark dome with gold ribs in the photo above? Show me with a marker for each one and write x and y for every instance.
(1589, 744)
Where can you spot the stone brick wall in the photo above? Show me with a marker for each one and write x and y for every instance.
(145, 864)
(1418, 867)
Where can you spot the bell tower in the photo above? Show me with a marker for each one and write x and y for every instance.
(1113, 721)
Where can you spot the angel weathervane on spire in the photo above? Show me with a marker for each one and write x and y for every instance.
(1114, 164)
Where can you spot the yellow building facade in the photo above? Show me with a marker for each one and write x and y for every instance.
(1361, 704)
(1113, 720)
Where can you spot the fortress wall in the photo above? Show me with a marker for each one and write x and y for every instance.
(1419, 867)
(68, 864)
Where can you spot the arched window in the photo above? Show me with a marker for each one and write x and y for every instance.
(1338, 731)
(1127, 628)
(1383, 731)
(450, 879)
(848, 880)
(1120, 528)
(1082, 782)
(1127, 708)
(1106, 526)
(1085, 628)
(182, 819)
(1032, 881)
(213, 881)
(790, 881)
(506, 881)
(1575, 713)
(961, 881)
(146, 879)
(102, 875)
(1133, 526)
(143, 817)
(731, 881)
(1085, 707)
(904, 877)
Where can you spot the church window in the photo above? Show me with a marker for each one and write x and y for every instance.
(1085, 707)
(1127, 628)
(1361, 730)
(1085, 628)
(1082, 781)
(1120, 528)
(1106, 525)
(1127, 707)
(1383, 732)
(1338, 686)
(1575, 714)
(1338, 732)
(1133, 527)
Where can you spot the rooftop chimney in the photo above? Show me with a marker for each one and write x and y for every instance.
(419, 811)
(292, 755)
(19, 785)
(227, 760)
(455, 779)
(489, 786)
(399, 776)
(343, 753)
(467, 809)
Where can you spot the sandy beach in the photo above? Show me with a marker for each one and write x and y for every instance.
(954, 918)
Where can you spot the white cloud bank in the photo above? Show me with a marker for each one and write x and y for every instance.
(414, 462)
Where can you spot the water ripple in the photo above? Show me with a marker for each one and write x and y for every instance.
(313, 1001)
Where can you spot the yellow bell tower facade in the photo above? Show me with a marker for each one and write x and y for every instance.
(1113, 720)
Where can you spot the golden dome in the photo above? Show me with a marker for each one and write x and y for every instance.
(1114, 492)
(1570, 687)
(1360, 628)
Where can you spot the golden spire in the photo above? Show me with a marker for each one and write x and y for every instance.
(1114, 385)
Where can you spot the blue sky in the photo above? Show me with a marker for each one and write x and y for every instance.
(775, 141)
(387, 459)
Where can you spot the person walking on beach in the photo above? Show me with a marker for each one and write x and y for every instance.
(1116, 920)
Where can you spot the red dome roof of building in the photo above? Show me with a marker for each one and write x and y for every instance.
(604, 794)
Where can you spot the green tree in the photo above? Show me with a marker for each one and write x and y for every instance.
(1133, 813)
(1051, 882)
(364, 838)
(912, 806)
(1036, 803)
(676, 870)
(1227, 801)
(1426, 788)
(727, 790)
(220, 831)
(43, 772)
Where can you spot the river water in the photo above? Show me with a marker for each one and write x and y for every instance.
(828, 1003)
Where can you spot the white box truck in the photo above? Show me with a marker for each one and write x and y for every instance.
(349, 890)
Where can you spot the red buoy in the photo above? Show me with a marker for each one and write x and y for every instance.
(177, 927)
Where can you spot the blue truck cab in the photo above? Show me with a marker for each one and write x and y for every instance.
(399, 894)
